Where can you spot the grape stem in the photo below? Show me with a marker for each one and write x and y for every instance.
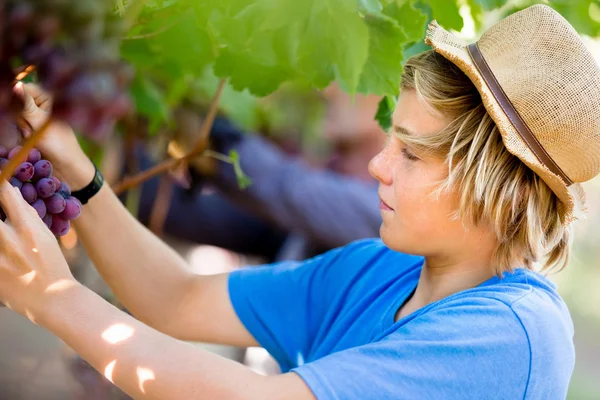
(29, 144)
(197, 150)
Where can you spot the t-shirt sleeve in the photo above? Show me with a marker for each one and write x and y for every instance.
(471, 350)
(283, 305)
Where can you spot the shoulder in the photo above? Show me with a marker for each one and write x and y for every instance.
(518, 320)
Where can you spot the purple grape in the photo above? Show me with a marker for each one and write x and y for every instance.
(29, 193)
(24, 171)
(56, 181)
(40, 207)
(13, 153)
(60, 227)
(72, 209)
(55, 204)
(48, 220)
(16, 183)
(3, 152)
(33, 156)
(64, 190)
(3, 163)
(43, 169)
(45, 187)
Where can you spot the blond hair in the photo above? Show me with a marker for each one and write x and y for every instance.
(494, 186)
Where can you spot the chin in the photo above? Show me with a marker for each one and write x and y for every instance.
(396, 241)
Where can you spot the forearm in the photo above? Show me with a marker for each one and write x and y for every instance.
(146, 364)
(145, 274)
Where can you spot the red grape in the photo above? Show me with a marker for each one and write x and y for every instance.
(33, 156)
(40, 207)
(24, 171)
(72, 209)
(45, 187)
(29, 193)
(43, 169)
(55, 204)
(60, 226)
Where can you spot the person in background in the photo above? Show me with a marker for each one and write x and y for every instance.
(292, 210)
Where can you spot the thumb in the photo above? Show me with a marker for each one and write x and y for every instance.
(34, 115)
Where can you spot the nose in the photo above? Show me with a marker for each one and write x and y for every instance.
(380, 166)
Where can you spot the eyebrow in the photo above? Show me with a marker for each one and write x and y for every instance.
(403, 130)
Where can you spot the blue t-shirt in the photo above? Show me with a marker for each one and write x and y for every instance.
(331, 320)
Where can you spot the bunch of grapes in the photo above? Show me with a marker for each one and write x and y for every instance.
(50, 197)
(74, 49)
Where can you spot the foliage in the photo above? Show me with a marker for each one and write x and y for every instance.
(180, 48)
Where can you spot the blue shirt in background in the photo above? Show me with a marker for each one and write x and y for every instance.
(331, 320)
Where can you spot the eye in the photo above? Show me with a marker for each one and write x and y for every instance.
(409, 156)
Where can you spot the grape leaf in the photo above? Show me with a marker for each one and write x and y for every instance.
(446, 12)
(240, 106)
(579, 14)
(245, 72)
(370, 6)
(383, 70)
(334, 43)
(488, 5)
(385, 111)
(412, 20)
(149, 101)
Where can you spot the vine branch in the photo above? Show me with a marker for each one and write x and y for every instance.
(166, 165)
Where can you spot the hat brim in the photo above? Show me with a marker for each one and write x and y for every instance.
(572, 197)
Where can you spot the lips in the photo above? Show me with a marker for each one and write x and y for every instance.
(384, 206)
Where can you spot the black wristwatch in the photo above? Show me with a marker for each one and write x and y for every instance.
(85, 194)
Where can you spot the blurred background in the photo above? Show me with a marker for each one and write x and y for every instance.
(303, 149)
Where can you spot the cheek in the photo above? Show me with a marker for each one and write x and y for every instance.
(416, 206)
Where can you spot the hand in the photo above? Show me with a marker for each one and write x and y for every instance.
(33, 270)
(59, 144)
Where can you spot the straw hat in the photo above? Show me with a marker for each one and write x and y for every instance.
(541, 86)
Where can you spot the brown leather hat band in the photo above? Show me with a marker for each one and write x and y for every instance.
(513, 115)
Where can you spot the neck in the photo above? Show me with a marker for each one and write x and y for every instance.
(441, 277)
(439, 280)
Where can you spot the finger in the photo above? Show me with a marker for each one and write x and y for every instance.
(42, 98)
(24, 127)
(33, 114)
(15, 207)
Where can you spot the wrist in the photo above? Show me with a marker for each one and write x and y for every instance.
(78, 171)
(57, 305)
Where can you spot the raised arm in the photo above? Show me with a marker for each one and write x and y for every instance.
(149, 278)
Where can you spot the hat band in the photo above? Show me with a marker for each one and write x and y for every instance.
(513, 115)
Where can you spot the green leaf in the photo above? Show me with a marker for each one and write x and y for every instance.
(446, 12)
(584, 15)
(383, 71)
(412, 20)
(385, 111)
(477, 13)
(491, 4)
(370, 6)
(239, 106)
(334, 42)
(149, 101)
(246, 73)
